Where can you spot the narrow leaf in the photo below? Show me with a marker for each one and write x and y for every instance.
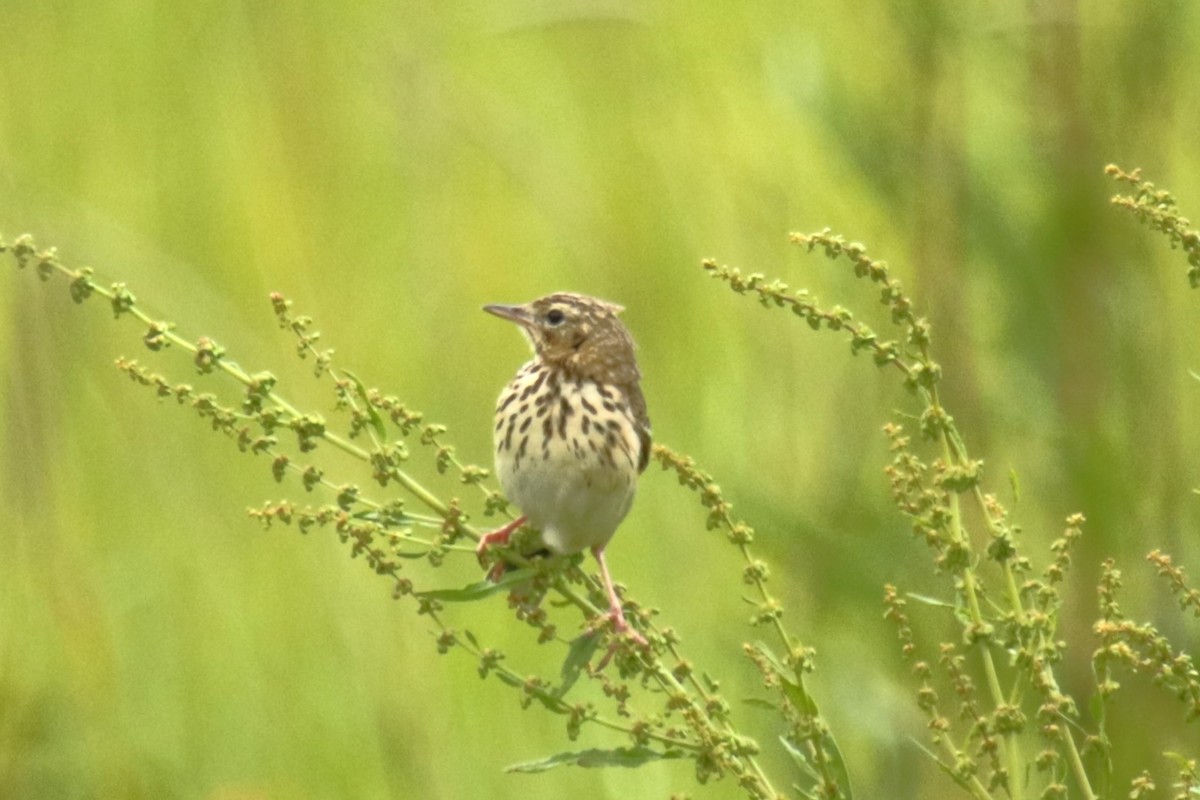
(479, 590)
(769, 656)
(790, 680)
(577, 658)
(837, 764)
(390, 520)
(943, 766)
(757, 702)
(802, 761)
(1096, 706)
(806, 795)
(376, 420)
(504, 677)
(620, 757)
(929, 601)
(405, 554)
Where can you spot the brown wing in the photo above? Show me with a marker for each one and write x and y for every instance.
(644, 456)
(637, 407)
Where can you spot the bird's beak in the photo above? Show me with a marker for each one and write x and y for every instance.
(517, 314)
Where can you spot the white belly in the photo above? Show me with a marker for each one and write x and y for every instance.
(574, 509)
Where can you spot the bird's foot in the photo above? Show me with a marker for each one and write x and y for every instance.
(622, 631)
(500, 536)
(621, 626)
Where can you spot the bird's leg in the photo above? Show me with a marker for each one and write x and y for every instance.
(499, 536)
(615, 612)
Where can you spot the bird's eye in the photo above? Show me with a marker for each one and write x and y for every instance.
(555, 316)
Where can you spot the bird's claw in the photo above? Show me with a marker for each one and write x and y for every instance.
(621, 627)
(615, 645)
(622, 630)
(500, 536)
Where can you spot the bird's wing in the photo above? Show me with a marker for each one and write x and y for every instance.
(637, 407)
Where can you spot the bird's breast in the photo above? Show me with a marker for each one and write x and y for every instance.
(567, 452)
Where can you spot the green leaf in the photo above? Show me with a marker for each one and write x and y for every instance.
(405, 554)
(1015, 484)
(390, 520)
(943, 766)
(479, 590)
(802, 761)
(1096, 705)
(837, 764)
(504, 677)
(773, 660)
(376, 420)
(577, 658)
(620, 757)
(793, 684)
(930, 601)
(757, 702)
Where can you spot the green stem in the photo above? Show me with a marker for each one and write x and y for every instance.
(562, 707)
(1011, 739)
(667, 679)
(1077, 768)
(1010, 580)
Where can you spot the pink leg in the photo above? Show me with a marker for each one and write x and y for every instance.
(620, 625)
(499, 536)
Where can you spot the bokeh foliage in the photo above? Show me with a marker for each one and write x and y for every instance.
(394, 167)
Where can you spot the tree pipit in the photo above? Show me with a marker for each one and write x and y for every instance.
(571, 431)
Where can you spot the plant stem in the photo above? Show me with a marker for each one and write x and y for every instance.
(1077, 768)
(1011, 739)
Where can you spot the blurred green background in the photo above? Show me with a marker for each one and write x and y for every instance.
(394, 166)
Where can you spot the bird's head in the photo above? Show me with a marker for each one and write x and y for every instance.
(577, 333)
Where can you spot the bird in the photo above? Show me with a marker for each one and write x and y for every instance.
(571, 431)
